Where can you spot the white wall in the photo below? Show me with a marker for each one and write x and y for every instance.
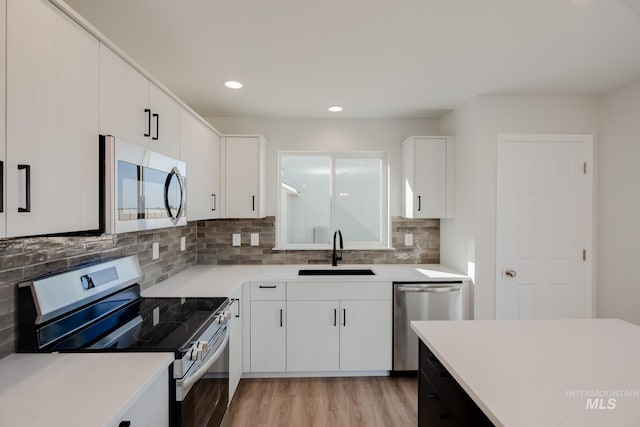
(330, 135)
(470, 239)
(618, 153)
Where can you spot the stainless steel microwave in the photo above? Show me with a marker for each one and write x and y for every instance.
(142, 189)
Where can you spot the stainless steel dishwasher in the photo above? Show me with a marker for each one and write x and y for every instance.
(420, 301)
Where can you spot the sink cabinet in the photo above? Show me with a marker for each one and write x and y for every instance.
(330, 326)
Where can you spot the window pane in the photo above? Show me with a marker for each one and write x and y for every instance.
(305, 186)
(358, 186)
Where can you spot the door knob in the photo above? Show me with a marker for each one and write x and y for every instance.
(510, 273)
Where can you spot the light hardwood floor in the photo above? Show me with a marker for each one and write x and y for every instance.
(301, 402)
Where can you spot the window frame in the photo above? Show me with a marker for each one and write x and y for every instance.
(385, 217)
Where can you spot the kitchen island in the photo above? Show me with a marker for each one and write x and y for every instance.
(536, 372)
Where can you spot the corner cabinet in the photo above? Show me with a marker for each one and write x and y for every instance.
(428, 177)
(52, 109)
(244, 176)
(134, 109)
(200, 150)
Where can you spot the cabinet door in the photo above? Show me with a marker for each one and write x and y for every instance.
(52, 121)
(313, 336)
(235, 343)
(3, 21)
(365, 335)
(242, 186)
(152, 408)
(165, 123)
(430, 168)
(200, 150)
(268, 336)
(124, 96)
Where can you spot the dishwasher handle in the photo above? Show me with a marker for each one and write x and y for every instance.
(432, 288)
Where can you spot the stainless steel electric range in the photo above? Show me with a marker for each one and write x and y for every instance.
(99, 308)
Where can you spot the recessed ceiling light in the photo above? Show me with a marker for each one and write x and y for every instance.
(335, 109)
(233, 84)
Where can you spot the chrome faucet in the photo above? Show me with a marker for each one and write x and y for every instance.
(335, 257)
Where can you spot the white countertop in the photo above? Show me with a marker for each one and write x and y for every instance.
(542, 372)
(52, 389)
(222, 281)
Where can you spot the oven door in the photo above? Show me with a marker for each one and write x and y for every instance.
(202, 396)
(143, 189)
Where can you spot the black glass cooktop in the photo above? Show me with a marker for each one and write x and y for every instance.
(140, 324)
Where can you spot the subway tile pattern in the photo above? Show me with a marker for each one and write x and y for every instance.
(214, 244)
(27, 258)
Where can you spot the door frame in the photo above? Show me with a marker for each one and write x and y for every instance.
(587, 141)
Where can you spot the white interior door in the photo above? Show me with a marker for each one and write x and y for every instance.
(544, 226)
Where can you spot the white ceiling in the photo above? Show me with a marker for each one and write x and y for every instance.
(376, 58)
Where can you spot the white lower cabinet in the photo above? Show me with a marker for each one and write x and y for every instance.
(313, 336)
(268, 336)
(326, 327)
(151, 408)
(235, 343)
(365, 335)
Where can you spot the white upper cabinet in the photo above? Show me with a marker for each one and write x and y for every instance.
(52, 103)
(124, 97)
(200, 150)
(244, 195)
(3, 21)
(428, 177)
(135, 110)
(165, 123)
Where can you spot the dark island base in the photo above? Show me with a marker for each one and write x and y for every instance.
(441, 400)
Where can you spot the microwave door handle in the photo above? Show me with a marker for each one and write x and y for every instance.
(185, 385)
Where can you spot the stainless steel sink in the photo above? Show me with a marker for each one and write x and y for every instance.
(337, 272)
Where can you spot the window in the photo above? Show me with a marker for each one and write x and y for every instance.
(322, 192)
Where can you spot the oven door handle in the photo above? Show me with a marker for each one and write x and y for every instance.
(183, 386)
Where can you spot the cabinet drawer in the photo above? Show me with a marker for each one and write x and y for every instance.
(432, 411)
(268, 291)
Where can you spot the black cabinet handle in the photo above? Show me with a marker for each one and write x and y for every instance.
(124, 424)
(27, 169)
(1, 186)
(238, 302)
(157, 117)
(214, 202)
(344, 317)
(281, 318)
(335, 317)
(148, 113)
(253, 203)
(267, 286)
(419, 203)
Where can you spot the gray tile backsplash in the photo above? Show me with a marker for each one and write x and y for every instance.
(27, 258)
(214, 244)
(208, 242)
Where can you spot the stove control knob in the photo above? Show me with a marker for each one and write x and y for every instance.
(223, 318)
(196, 354)
(203, 347)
